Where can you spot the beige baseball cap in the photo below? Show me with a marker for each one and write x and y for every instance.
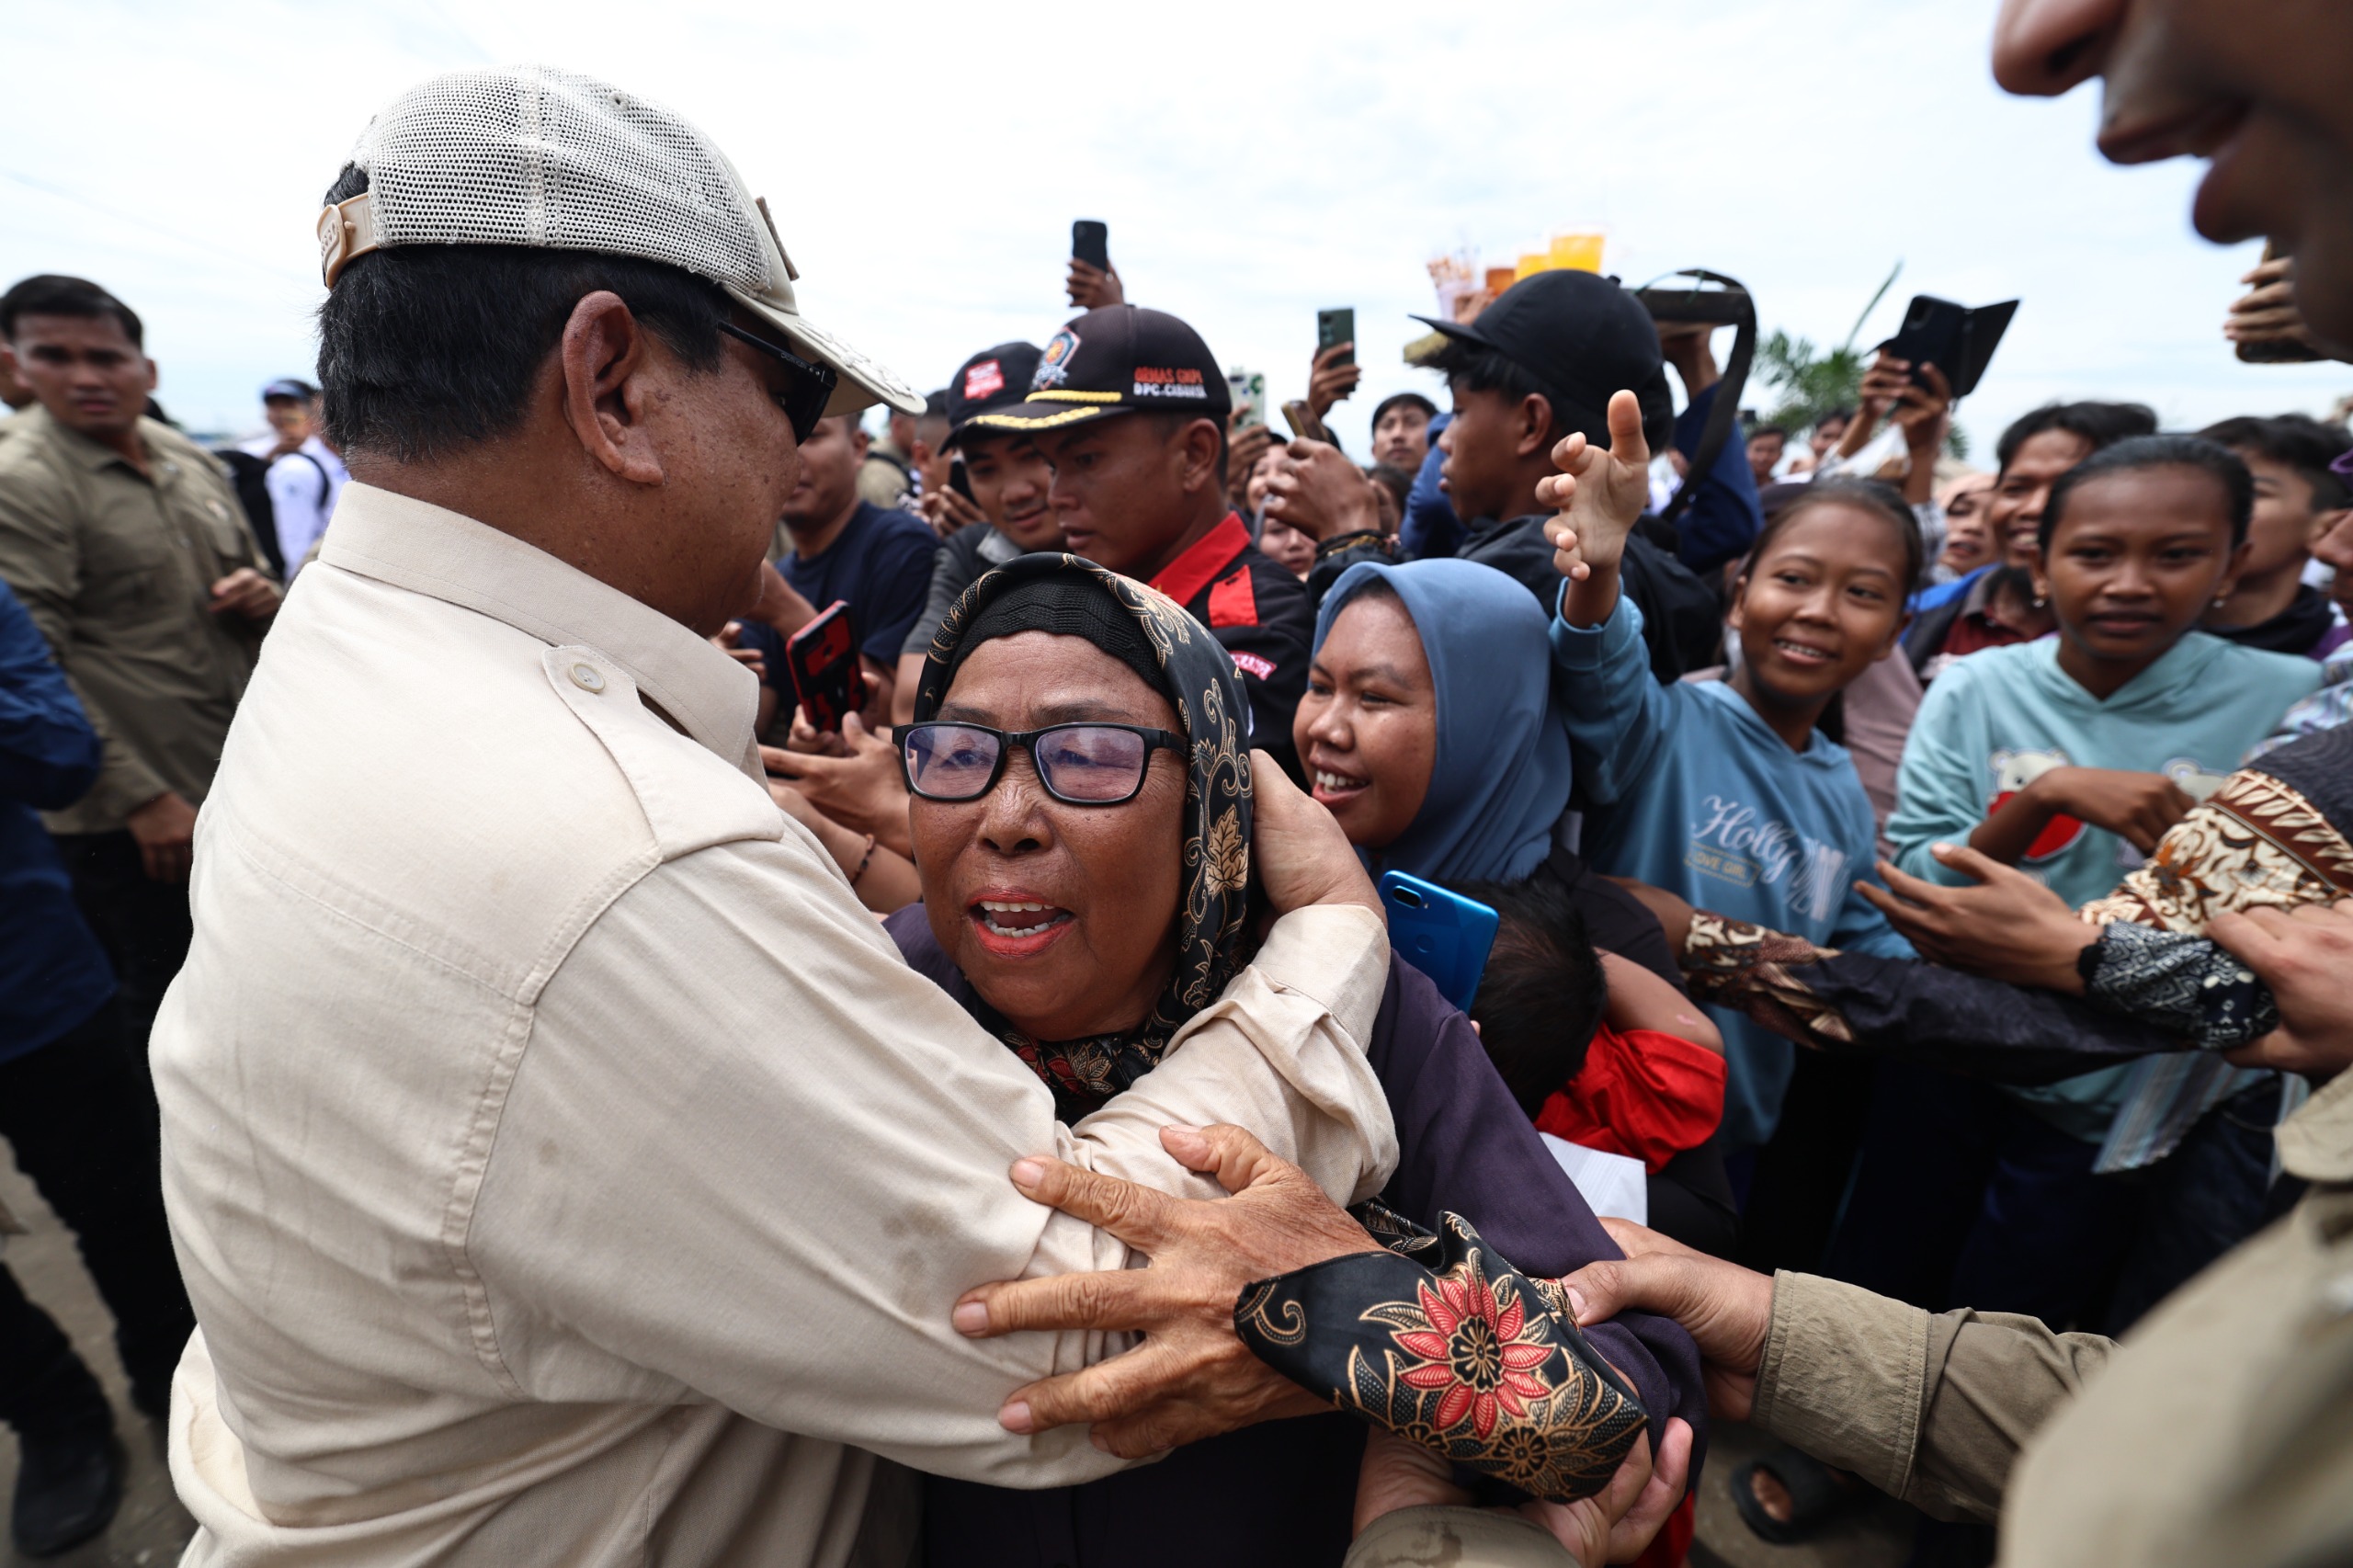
(532, 155)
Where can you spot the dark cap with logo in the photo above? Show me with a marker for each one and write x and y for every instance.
(1117, 360)
(1582, 337)
(993, 378)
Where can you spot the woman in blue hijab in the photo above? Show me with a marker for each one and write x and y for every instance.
(1429, 731)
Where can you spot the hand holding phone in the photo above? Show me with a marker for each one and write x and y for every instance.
(827, 679)
(1092, 284)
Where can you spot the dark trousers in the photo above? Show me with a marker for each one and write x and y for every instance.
(1791, 1188)
(143, 925)
(1963, 1197)
(80, 1114)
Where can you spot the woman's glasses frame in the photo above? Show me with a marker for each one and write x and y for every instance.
(1007, 741)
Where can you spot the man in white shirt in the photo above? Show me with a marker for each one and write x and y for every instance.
(304, 478)
(599, 1186)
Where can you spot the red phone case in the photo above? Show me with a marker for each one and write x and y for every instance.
(826, 678)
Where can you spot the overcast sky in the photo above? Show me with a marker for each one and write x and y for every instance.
(924, 164)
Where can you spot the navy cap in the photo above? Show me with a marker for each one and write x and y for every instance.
(1582, 337)
(995, 378)
(1117, 360)
(287, 386)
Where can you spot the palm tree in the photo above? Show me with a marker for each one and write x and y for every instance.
(1808, 383)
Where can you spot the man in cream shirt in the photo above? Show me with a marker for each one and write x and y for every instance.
(598, 1188)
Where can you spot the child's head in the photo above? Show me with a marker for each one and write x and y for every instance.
(1543, 993)
(2138, 541)
(2296, 496)
(2038, 447)
(1822, 594)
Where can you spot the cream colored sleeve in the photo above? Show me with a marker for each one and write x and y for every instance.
(809, 1163)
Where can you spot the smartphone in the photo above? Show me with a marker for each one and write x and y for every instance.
(1090, 241)
(1248, 390)
(1956, 339)
(1335, 327)
(827, 679)
(1443, 934)
(1303, 421)
(958, 480)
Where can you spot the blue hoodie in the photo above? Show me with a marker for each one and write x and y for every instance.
(1691, 790)
(1994, 720)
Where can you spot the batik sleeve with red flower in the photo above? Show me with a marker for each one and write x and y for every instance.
(1459, 1352)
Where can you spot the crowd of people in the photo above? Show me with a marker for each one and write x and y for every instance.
(663, 1117)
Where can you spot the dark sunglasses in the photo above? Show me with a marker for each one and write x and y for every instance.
(809, 388)
(1080, 765)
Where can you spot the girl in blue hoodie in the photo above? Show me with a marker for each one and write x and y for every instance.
(1726, 792)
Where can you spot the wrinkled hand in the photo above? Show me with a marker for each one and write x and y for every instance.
(1615, 1526)
(247, 593)
(1092, 287)
(730, 641)
(949, 509)
(2304, 957)
(164, 829)
(1328, 382)
(1303, 855)
(2008, 927)
(1599, 495)
(1319, 491)
(2138, 807)
(1726, 1310)
(1192, 1377)
(862, 788)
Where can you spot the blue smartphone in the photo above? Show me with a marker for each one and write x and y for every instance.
(1444, 934)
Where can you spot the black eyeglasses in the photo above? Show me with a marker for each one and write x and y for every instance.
(1080, 765)
(809, 387)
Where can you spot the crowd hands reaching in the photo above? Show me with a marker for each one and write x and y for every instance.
(1922, 897)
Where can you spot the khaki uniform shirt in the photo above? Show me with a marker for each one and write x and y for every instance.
(2220, 1431)
(118, 570)
(597, 1187)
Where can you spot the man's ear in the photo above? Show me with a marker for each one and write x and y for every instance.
(603, 360)
(2230, 572)
(858, 436)
(154, 378)
(1532, 426)
(1199, 443)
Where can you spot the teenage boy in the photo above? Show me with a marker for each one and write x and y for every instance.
(1129, 407)
(2297, 501)
(1400, 430)
(128, 548)
(1995, 606)
(1540, 363)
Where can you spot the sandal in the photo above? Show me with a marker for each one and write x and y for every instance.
(1817, 1494)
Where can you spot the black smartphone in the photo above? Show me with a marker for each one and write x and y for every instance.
(1335, 327)
(827, 679)
(958, 480)
(1956, 339)
(1090, 241)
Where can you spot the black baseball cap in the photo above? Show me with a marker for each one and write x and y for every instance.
(1582, 337)
(1117, 360)
(995, 378)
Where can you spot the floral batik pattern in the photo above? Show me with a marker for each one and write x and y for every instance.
(1457, 1351)
(1214, 923)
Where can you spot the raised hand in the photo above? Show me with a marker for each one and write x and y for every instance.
(1599, 495)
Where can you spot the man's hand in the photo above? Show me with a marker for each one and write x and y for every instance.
(247, 593)
(1727, 1310)
(949, 509)
(1304, 857)
(730, 641)
(864, 789)
(2008, 927)
(2266, 312)
(2304, 957)
(1319, 491)
(1329, 381)
(2139, 807)
(1244, 447)
(1191, 1378)
(1092, 287)
(1615, 1526)
(164, 829)
(1599, 496)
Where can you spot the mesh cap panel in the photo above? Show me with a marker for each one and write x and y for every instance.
(537, 157)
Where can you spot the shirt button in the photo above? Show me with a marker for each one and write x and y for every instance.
(588, 678)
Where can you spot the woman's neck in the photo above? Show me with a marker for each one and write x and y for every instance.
(1793, 722)
(2103, 678)
(2255, 600)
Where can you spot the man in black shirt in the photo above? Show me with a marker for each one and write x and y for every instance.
(1540, 363)
(1130, 407)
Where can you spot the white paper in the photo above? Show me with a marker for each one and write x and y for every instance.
(1612, 1184)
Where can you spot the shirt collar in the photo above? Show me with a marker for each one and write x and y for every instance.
(1183, 578)
(92, 455)
(430, 550)
(2316, 1142)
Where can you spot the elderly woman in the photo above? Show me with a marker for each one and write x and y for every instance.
(1081, 818)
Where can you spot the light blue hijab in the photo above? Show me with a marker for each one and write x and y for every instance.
(1500, 778)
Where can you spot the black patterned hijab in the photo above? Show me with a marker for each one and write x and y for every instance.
(1177, 655)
